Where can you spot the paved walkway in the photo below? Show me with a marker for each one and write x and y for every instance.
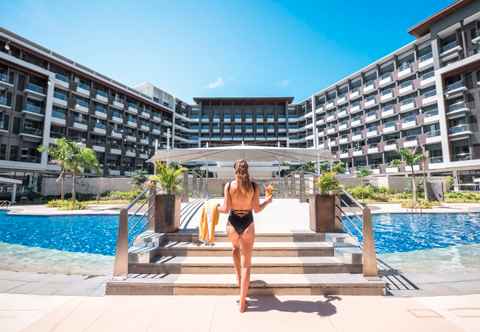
(35, 313)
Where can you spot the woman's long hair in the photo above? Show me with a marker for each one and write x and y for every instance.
(242, 176)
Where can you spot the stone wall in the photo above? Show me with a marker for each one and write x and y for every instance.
(91, 186)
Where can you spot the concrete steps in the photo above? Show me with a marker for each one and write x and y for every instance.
(283, 263)
(225, 284)
(260, 264)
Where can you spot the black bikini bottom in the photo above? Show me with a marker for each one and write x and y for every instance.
(240, 223)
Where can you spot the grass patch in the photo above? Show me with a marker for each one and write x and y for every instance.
(67, 204)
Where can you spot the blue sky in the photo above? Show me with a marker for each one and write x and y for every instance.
(221, 48)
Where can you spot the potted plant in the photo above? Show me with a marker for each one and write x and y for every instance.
(168, 201)
(323, 204)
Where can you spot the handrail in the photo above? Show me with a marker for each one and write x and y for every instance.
(369, 255)
(120, 268)
(4, 204)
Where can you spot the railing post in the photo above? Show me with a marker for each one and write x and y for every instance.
(370, 268)
(185, 187)
(294, 186)
(151, 209)
(302, 187)
(120, 268)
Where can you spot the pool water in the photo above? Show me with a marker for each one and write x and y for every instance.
(95, 234)
(405, 232)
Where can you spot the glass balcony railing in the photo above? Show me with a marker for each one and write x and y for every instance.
(430, 93)
(456, 107)
(449, 46)
(100, 125)
(4, 101)
(428, 75)
(58, 114)
(436, 160)
(32, 131)
(35, 87)
(33, 108)
(459, 129)
(462, 156)
(61, 77)
(102, 93)
(409, 119)
(425, 57)
(4, 77)
(433, 133)
(453, 86)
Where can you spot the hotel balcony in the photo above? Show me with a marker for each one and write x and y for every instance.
(389, 127)
(459, 130)
(373, 148)
(425, 61)
(143, 155)
(131, 138)
(132, 109)
(357, 137)
(145, 114)
(331, 130)
(457, 109)
(342, 100)
(81, 108)
(429, 98)
(433, 137)
(228, 120)
(390, 146)
(407, 105)
(385, 79)
(114, 172)
(370, 103)
(342, 114)
(98, 148)
(61, 81)
(144, 127)
(356, 122)
(342, 126)
(427, 79)
(132, 124)
(100, 130)
(130, 153)
(455, 89)
(331, 118)
(58, 118)
(386, 112)
(144, 141)
(344, 154)
(247, 119)
(156, 118)
(330, 105)
(207, 130)
(343, 140)
(371, 118)
(405, 88)
(321, 122)
(369, 87)
(101, 98)
(115, 151)
(391, 170)
(35, 89)
(372, 132)
(405, 71)
(357, 152)
(59, 102)
(117, 119)
(409, 122)
(355, 94)
(166, 122)
(355, 108)
(431, 116)
(450, 48)
(118, 104)
(116, 134)
(282, 119)
(100, 114)
(319, 109)
(83, 90)
(331, 143)
(387, 95)
(33, 109)
(156, 131)
(80, 125)
(270, 119)
(410, 142)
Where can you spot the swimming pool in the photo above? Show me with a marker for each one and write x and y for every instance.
(405, 232)
(95, 234)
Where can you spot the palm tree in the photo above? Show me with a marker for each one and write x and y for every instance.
(60, 153)
(168, 176)
(82, 159)
(410, 157)
(338, 167)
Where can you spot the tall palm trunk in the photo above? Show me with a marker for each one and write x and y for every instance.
(62, 187)
(74, 194)
(414, 189)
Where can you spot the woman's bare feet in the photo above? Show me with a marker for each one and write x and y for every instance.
(243, 306)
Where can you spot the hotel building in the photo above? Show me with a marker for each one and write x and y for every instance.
(424, 95)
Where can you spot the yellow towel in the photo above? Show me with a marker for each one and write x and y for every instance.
(208, 220)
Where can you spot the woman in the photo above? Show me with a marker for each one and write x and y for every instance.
(240, 198)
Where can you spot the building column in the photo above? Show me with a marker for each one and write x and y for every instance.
(441, 102)
(47, 120)
(14, 194)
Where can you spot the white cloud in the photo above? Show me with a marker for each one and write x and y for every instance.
(284, 83)
(216, 84)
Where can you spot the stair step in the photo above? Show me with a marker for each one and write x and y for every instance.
(225, 284)
(262, 264)
(284, 249)
(192, 236)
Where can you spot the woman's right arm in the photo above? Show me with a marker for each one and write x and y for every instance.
(225, 207)
(257, 206)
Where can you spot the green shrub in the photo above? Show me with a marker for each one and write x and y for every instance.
(122, 195)
(66, 204)
(421, 204)
(462, 197)
(328, 182)
(369, 192)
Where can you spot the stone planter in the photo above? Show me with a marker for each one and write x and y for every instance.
(167, 213)
(323, 216)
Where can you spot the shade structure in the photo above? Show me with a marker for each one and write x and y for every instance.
(247, 152)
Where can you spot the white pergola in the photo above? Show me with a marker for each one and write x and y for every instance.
(247, 152)
(14, 184)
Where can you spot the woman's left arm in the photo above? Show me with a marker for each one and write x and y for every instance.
(256, 205)
(225, 207)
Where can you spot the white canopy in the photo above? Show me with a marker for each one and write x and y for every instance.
(247, 152)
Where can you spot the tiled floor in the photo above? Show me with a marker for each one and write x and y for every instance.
(35, 313)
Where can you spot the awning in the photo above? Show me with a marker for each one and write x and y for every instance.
(247, 152)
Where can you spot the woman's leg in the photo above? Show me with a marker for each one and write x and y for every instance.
(235, 239)
(246, 243)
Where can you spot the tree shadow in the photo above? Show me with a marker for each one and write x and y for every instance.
(262, 303)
